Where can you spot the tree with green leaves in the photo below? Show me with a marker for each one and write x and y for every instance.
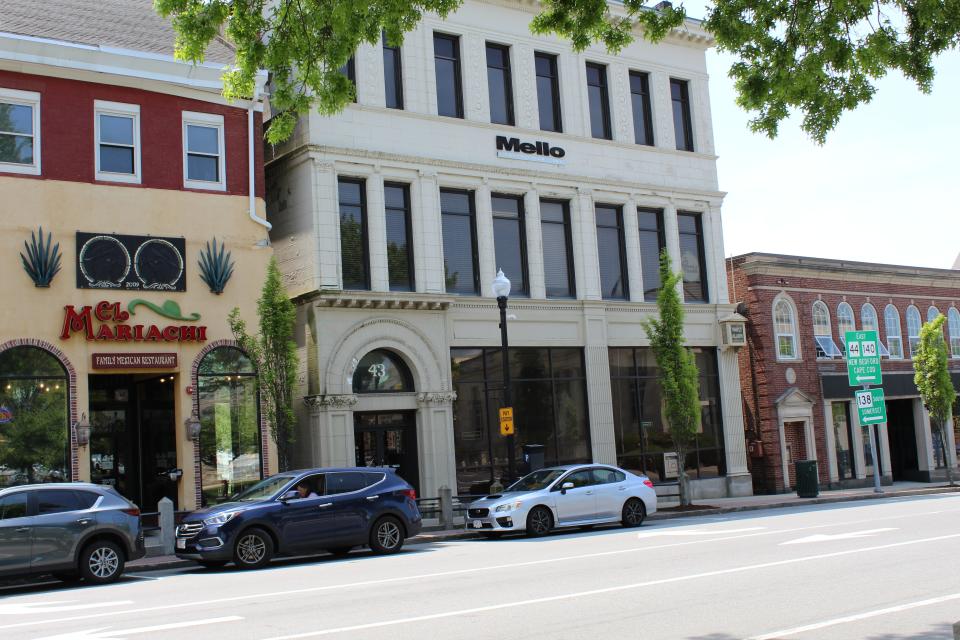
(818, 57)
(933, 381)
(274, 354)
(679, 378)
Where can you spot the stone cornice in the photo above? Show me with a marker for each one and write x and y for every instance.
(327, 402)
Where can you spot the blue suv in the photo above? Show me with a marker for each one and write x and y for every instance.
(303, 512)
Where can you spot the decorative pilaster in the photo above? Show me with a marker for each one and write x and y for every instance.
(485, 247)
(599, 397)
(377, 234)
(664, 136)
(621, 107)
(331, 419)
(525, 103)
(631, 239)
(476, 105)
(435, 421)
(531, 213)
(368, 63)
(586, 263)
(733, 437)
(671, 230)
(428, 235)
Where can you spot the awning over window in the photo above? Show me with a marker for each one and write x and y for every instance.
(828, 347)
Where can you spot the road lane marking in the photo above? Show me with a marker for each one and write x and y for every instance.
(56, 606)
(118, 634)
(830, 537)
(454, 572)
(605, 590)
(694, 532)
(857, 617)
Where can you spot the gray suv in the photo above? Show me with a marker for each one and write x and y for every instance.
(73, 531)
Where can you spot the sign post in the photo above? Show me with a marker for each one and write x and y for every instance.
(863, 369)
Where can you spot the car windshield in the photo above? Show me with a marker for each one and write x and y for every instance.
(535, 481)
(266, 488)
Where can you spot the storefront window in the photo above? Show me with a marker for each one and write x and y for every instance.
(382, 371)
(230, 424)
(841, 436)
(640, 426)
(34, 418)
(548, 395)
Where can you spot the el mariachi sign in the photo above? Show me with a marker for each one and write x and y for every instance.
(113, 326)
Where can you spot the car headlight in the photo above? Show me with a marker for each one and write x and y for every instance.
(510, 506)
(220, 518)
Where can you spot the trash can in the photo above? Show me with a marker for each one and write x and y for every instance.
(533, 457)
(808, 485)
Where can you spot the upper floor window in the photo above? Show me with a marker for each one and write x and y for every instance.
(891, 320)
(682, 122)
(548, 92)
(932, 313)
(203, 161)
(557, 249)
(653, 240)
(499, 83)
(446, 56)
(913, 328)
(953, 326)
(19, 131)
(642, 112)
(869, 321)
(458, 222)
(392, 75)
(845, 322)
(349, 69)
(612, 253)
(822, 333)
(353, 233)
(692, 261)
(399, 233)
(117, 134)
(510, 240)
(599, 100)
(785, 329)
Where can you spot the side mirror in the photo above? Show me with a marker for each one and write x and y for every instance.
(290, 495)
(565, 486)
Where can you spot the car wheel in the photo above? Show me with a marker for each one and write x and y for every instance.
(539, 522)
(386, 536)
(101, 562)
(339, 552)
(253, 550)
(633, 513)
(212, 564)
(67, 576)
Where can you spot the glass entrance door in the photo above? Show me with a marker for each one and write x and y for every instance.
(132, 440)
(388, 440)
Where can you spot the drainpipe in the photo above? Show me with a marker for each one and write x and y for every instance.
(251, 163)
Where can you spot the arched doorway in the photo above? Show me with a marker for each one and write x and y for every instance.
(34, 417)
(230, 437)
(386, 438)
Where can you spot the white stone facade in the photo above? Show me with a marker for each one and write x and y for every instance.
(428, 152)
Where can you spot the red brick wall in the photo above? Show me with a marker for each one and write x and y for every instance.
(67, 135)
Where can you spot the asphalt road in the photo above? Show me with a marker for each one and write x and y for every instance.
(878, 569)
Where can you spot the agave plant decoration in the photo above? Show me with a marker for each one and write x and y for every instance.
(42, 261)
(216, 267)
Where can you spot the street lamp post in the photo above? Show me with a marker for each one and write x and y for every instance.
(501, 289)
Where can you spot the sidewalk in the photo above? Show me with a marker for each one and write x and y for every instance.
(720, 505)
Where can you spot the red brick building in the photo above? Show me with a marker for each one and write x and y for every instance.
(796, 396)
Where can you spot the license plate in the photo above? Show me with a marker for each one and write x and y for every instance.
(477, 524)
(181, 543)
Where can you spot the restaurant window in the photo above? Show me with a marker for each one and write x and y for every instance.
(891, 321)
(117, 135)
(842, 438)
(458, 223)
(353, 233)
(557, 250)
(549, 399)
(392, 75)
(446, 55)
(382, 371)
(499, 84)
(203, 156)
(548, 92)
(510, 241)
(653, 240)
(34, 418)
(913, 329)
(399, 233)
(19, 131)
(229, 424)
(642, 111)
(692, 260)
(641, 430)
(611, 252)
(599, 101)
(682, 125)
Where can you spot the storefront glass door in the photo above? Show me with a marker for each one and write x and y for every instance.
(388, 440)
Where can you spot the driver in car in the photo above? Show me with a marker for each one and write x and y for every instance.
(305, 492)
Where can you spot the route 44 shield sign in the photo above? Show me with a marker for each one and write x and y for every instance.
(863, 358)
(871, 408)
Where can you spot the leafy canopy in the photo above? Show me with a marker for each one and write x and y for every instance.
(818, 57)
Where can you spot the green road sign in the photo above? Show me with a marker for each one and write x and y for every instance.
(863, 358)
(870, 406)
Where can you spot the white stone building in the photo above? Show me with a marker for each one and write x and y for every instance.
(567, 170)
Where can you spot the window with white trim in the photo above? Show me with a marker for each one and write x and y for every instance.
(117, 135)
(204, 160)
(845, 322)
(913, 328)
(932, 313)
(822, 333)
(19, 131)
(953, 327)
(891, 319)
(785, 330)
(869, 321)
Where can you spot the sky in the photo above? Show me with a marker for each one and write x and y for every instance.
(884, 188)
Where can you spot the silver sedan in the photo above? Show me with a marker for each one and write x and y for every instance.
(567, 496)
